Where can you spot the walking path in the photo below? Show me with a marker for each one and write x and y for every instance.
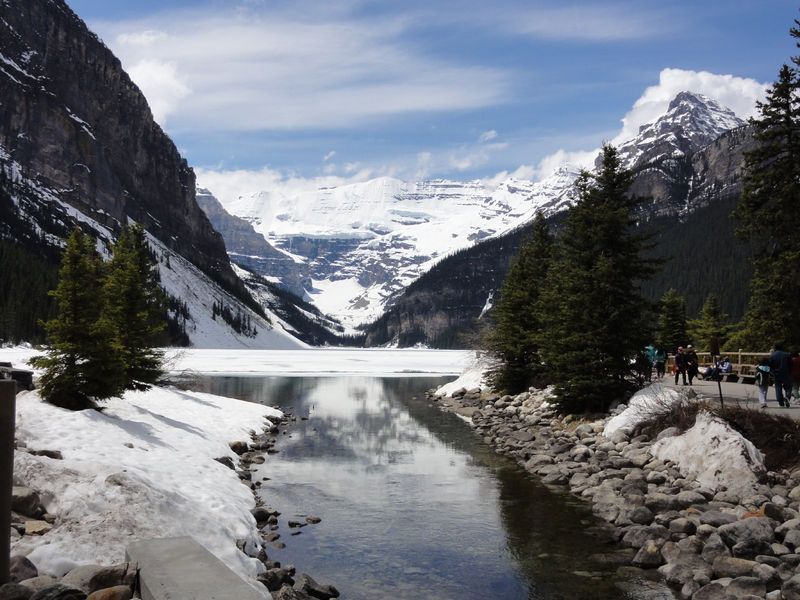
(745, 394)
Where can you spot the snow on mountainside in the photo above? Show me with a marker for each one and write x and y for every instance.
(358, 246)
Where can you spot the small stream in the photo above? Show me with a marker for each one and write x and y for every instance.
(414, 505)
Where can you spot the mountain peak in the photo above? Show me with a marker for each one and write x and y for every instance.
(691, 122)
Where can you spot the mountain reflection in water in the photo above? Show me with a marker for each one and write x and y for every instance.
(414, 504)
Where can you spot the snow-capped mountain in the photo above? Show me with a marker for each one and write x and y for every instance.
(358, 246)
(692, 121)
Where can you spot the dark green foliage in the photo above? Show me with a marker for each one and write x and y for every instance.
(25, 279)
(239, 321)
(594, 319)
(177, 315)
(84, 364)
(135, 305)
(513, 339)
(711, 329)
(769, 213)
(672, 321)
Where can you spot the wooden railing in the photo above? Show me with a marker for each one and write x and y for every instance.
(744, 363)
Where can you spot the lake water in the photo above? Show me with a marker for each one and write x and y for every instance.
(413, 504)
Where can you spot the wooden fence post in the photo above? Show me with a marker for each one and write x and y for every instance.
(8, 398)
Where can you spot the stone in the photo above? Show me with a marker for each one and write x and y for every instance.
(641, 515)
(713, 548)
(54, 454)
(792, 539)
(727, 566)
(716, 518)
(26, 502)
(742, 587)
(37, 527)
(773, 511)
(122, 574)
(227, 461)
(289, 593)
(305, 583)
(312, 520)
(668, 432)
(37, 583)
(659, 502)
(751, 531)
(59, 592)
(712, 591)
(790, 590)
(238, 447)
(20, 569)
(682, 525)
(79, 577)
(687, 498)
(274, 579)
(649, 556)
(117, 592)
(637, 535)
(261, 514)
(15, 591)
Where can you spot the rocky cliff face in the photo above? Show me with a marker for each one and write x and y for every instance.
(72, 122)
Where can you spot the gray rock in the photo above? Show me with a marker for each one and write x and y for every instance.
(15, 591)
(79, 577)
(117, 592)
(261, 514)
(714, 548)
(37, 583)
(668, 432)
(727, 566)
(649, 556)
(227, 461)
(687, 498)
(274, 579)
(790, 590)
(713, 591)
(792, 539)
(26, 502)
(289, 593)
(742, 587)
(305, 583)
(637, 535)
(641, 515)
(682, 525)
(238, 447)
(59, 592)
(716, 518)
(750, 531)
(20, 568)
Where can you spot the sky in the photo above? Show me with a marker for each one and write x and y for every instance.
(301, 93)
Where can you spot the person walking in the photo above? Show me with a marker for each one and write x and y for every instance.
(661, 362)
(680, 365)
(692, 363)
(762, 381)
(796, 376)
(780, 365)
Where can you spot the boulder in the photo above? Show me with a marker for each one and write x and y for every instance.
(39, 582)
(714, 548)
(238, 447)
(717, 518)
(227, 461)
(727, 566)
(15, 591)
(745, 587)
(37, 527)
(59, 592)
(274, 579)
(790, 590)
(26, 502)
(649, 556)
(636, 535)
(20, 569)
(117, 592)
(712, 591)
(753, 530)
(305, 583)
(289, 593)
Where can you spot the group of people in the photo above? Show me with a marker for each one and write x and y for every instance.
(686, 364)
(783, 369)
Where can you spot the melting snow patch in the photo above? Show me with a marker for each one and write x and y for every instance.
(142, 468)
(641, 406)
(715, 455)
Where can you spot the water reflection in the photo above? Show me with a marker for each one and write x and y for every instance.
(413, 504)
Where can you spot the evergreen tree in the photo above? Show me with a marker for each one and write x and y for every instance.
(672, 321)
(593, 317)
(769, 213)
(84, 364)
(514, 338)
(135, 305)
(710, 330)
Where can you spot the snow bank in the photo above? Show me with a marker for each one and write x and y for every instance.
(714, 454)
(321, 361)
(471, 378)
(143, 468)
(641, 406)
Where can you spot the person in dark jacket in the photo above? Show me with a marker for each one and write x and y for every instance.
(680, 365)
(780, 365)
(692, 363)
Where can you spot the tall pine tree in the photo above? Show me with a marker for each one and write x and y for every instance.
(84, 363)
(594, 319)
(134, 302)
(514, 338)
(769, 213)
(710, 330)
(672, 322)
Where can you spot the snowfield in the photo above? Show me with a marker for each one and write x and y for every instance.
(143, 468)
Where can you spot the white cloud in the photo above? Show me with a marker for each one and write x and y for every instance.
(523, 172)
(737, 93)
(267, 67)
(161, 84)
(602, 22)
(329, 156)
(487, 136)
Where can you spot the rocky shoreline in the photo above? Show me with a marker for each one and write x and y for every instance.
(706, 542)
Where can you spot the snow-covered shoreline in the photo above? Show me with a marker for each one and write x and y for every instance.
(143, 468)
